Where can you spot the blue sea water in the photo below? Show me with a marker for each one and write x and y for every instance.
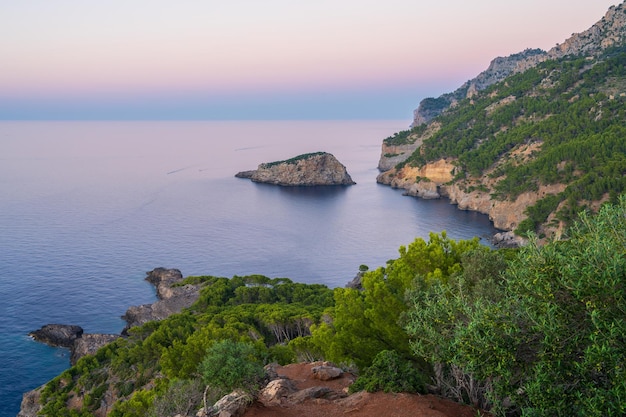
(86, 208)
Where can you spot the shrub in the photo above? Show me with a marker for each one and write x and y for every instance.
(390, 373)
(230, 365)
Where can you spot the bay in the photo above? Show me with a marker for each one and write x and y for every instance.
(86, 208)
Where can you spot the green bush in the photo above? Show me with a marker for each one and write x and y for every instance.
(546, 337)
(390, 373)
(182, 397)
(231, 365)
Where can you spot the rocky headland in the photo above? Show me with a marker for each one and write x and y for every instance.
(312, 169)
(172, 297)
(444, 178)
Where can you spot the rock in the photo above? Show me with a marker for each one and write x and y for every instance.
(88, 344)
(324, 393)
(508, 240)
(276, 391)
(356, 282)
(172, 299)
(30, 403)
(270, 371)
(313, 169)
(326, 373)
(231, 405)
(57, 335)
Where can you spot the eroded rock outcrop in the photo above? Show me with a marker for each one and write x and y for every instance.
(88, 344)
(172, 298)
(609, 31)
(313, 169)
(72, 337)
(57, 335)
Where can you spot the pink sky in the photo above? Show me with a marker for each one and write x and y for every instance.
(103, 54)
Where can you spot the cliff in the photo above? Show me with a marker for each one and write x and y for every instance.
(607, 32)
(531, 141)
(313, 169)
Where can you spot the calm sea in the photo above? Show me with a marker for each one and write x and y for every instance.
(86, 208)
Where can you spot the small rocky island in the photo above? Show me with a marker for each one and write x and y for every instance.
(311, 169)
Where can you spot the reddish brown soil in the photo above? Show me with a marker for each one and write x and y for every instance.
(361, 404)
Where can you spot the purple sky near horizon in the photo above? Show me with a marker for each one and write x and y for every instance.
(243, 59)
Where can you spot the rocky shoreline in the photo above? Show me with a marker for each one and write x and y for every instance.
(171, 298)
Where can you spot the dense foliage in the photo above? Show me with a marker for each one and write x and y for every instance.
(569, 114)
(368, 321)
(546, 337)
(147, 370)
(538, 331)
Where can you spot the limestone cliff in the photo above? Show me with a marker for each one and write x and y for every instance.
(609, 31)
(313, 169)
(464, 145)
(499, 69)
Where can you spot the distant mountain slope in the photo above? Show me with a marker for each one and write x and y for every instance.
(609, 31)
(531, 141)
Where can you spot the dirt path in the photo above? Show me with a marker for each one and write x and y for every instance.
(361, 404)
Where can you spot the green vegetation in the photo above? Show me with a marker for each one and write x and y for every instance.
(569, 113)
(293, 160)
(232, 365)
(406, 137)
(538, 331)
(390, 372)
(545, 336)
(231, 317)
(369, 321)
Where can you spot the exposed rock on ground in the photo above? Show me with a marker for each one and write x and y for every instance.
(297, 392)
(30, 403)
(313, 169)
(88, 344)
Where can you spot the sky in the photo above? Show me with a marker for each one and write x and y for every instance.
(253, 59)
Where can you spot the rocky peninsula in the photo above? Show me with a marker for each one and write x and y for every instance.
(311, 169)
(172, 297)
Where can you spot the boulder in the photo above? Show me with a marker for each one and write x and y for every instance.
(326, 373)
(276, 391)
(313, 169)
(57, 335)
(231, 405)
(311, 393)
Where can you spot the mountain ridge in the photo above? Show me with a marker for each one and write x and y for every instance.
(504, 125)
(608, 31)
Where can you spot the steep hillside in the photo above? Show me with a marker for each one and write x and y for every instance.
(532, 148)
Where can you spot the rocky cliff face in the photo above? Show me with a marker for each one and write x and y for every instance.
(498, 70)
(609, 31)
(172, 298)
(435, 179)
(312, 169)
